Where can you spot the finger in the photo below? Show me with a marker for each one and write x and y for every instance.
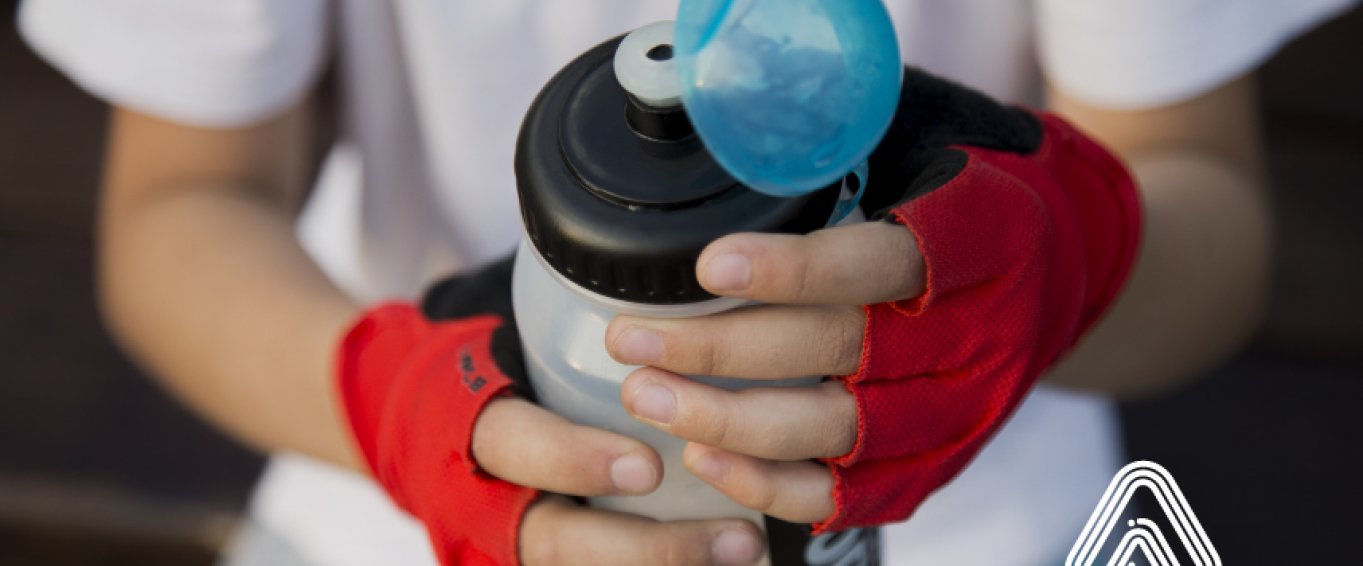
(786, 423)
(557, 532)
(859, 264)
(761, 342)
(798, 492)
(527, 445)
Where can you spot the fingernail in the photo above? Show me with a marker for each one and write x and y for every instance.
(711, 467)
(736, 547)
(639, 346)
(655, 403)
(632, 474)
(728, 272)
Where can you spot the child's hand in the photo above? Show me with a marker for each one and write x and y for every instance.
(559, 532)
(1009, 235)
(522, 443)
(429, 407)
(758, 445)
(429, 398)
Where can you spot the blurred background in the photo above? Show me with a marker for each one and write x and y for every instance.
(97, 466)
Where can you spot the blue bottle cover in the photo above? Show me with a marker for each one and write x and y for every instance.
(788, 95)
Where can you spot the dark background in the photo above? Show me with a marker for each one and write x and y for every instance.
(97, 466)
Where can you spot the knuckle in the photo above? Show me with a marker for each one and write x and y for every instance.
(825, 348)
(762, 499)
(708, 354)
(539, 544)
(752, 489)
(801, 271)
(757, 432)
(848, 419)
(714, 428)
(828, 356)
(675, 548)
(613, 330)
(842, 426)
(837, 348)
(901, 267)
(487, 431)
(579, 470)
(548, 551)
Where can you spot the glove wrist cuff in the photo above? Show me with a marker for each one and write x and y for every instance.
(413, 391)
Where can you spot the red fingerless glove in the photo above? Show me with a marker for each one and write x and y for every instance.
(1025, 244)
(412, 390)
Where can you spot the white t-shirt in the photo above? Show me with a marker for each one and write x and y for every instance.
(421, 185)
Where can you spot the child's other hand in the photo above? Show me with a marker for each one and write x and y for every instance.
(522, 443)
(559, 532)
(756, 445)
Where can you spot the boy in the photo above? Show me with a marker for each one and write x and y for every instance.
(228, 288)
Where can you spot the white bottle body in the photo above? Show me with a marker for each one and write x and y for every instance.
(563, 329)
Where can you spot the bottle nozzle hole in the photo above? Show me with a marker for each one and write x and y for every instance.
(661, 52)
(645, 64)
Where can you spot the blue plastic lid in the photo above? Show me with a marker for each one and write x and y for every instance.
(788, 95)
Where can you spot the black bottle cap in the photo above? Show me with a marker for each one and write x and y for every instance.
(625, 213)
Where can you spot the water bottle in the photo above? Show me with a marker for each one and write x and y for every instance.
(618, 197)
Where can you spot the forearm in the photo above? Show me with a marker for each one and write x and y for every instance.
(1199, 287)
(1200, 284)
(208, 288)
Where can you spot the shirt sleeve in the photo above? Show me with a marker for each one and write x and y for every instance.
(1132, 54)
(210, 63)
